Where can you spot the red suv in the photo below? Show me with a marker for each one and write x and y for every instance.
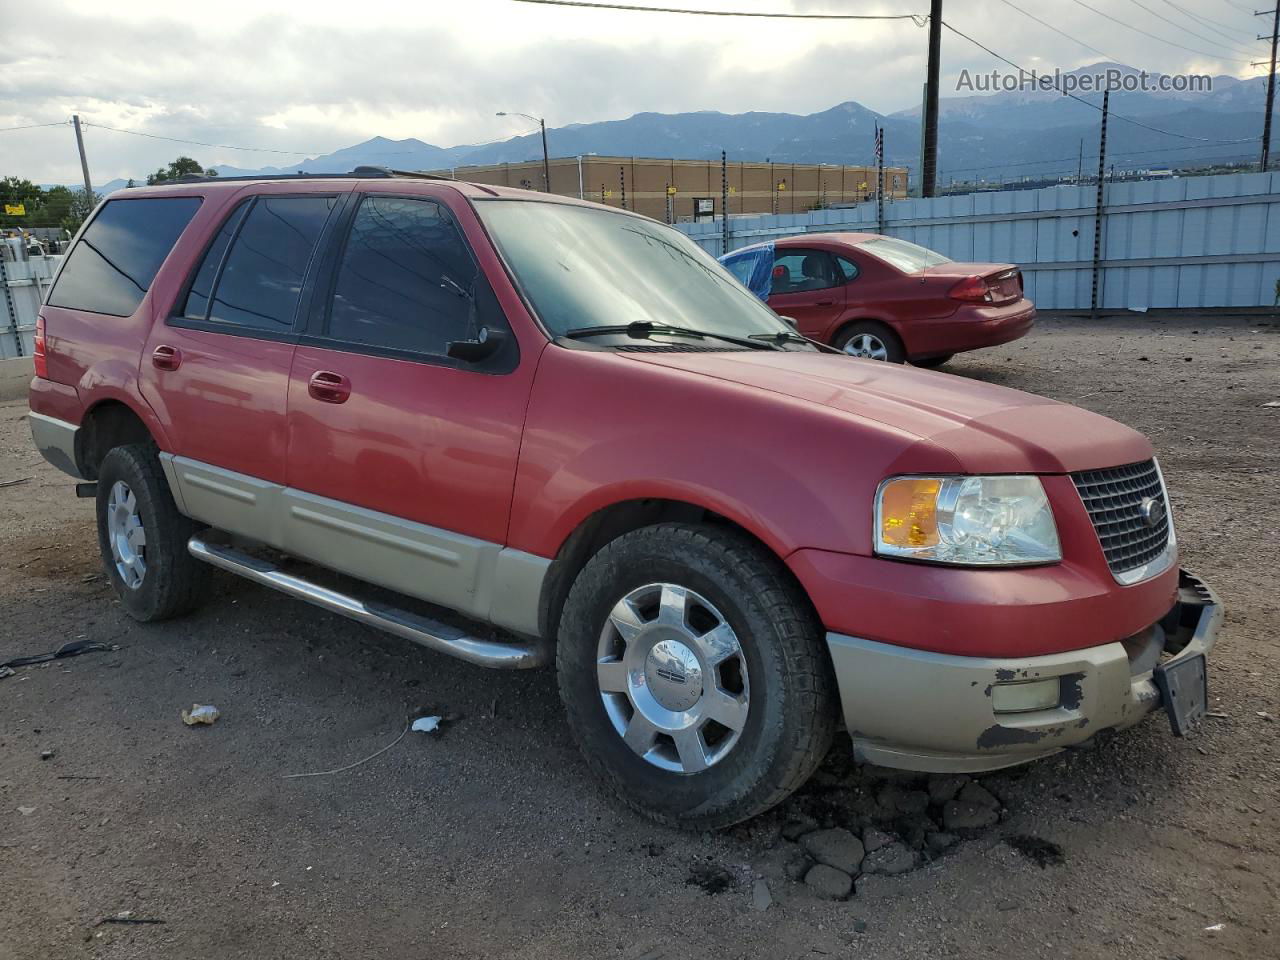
(883, 298)
(569, 422)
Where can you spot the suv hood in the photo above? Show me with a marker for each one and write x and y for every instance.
(986, 428)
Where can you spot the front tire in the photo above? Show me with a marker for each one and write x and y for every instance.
(143, 537)
(871, 340)
(693, 672)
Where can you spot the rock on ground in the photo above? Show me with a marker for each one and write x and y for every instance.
(893, 859)
(944, 787)
(873, 839)
(828, 881)
(761, 899)
(836, 848)
(962, 815)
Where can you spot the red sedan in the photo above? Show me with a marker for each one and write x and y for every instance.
(886, 299)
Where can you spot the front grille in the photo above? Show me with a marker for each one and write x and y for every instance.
(1114, 499)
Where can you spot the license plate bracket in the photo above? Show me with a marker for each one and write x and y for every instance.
(1184, 687)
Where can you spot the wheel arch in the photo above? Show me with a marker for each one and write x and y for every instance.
(110, 422)
(862, 317)
(609, 522)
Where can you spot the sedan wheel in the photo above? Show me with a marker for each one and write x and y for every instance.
(866, 345)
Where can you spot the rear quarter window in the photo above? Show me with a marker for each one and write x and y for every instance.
(111, 267)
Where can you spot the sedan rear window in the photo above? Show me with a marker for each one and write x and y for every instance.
(118, 255)
(906, 256)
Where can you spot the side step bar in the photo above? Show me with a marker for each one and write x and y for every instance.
(424, 631)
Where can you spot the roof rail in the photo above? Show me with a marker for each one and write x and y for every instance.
(364, 172)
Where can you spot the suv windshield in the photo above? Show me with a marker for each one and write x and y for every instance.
(583, 267)
(907, 257)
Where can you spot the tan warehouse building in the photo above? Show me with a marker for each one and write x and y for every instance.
(681, 190)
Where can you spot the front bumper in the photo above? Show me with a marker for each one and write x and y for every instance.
(926, 711)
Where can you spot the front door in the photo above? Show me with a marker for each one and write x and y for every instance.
(807, 287)
(401, 459)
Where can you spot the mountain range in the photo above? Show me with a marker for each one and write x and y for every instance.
(999, 136)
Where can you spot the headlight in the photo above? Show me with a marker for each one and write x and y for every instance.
(978, 521)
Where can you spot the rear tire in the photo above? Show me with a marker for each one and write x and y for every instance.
(143, 537)
(871, 340)
(931, 363)
(764, 672)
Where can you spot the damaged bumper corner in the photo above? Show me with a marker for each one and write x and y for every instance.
(934, 712)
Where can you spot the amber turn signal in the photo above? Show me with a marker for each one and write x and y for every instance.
(909, 512)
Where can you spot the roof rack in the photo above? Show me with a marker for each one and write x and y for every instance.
(363, 172)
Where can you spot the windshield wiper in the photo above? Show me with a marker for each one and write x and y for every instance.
(643, 329)
(786, 336)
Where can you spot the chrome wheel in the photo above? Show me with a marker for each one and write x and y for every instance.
(866, 345)
(673, 678)
(126, 535)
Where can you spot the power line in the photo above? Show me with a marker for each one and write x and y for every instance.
(1234, 48)
(1146, 33)
(1063, 33)
(1136, 123)
(1213, 24)
(34, 126)
(919, 19)
(201, 143)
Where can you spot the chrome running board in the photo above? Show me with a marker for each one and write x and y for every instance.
(423, 631)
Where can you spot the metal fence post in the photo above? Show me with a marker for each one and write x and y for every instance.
(1097, 210)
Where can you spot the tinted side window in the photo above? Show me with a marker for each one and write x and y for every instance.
(197, 305)
(795, 271)
(262, 274)
(406, 280)
(111, 268)
(848, 269)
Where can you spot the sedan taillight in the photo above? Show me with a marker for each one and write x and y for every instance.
(40, 359)
(971, 290)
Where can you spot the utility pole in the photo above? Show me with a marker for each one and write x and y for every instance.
(622, 181)
(1097, 212)
(1080, 160)
(929, 164)
(1271, 84)
(546, 159)
(84, 162)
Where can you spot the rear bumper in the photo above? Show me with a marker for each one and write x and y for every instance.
(927, 711)
(56, 441)
(971, 327)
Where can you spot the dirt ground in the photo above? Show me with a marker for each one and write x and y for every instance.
(491, 840)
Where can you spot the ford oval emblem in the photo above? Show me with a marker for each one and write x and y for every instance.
(1152, 511)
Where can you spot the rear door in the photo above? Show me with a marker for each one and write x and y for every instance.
(402, 459)
(217, 369)
(808, 287)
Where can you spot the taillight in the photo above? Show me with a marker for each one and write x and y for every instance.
(39, 357)
(971, 290)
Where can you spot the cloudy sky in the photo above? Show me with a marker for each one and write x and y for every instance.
(308, 78)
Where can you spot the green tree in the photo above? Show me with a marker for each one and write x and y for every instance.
(56, 207)
(81, 206)
(16, 190)
(181, 167)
